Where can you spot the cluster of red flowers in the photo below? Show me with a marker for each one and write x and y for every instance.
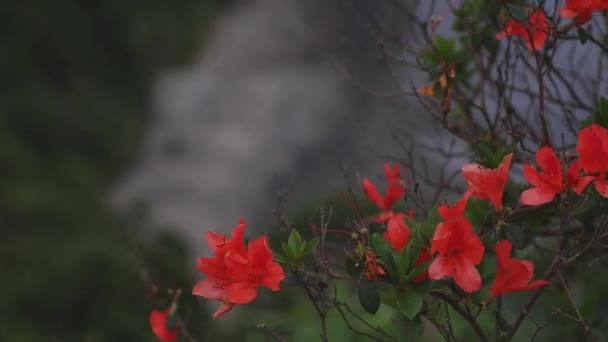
(592, 165)
(537, 30)
(397, 233)
(457, 247)
(236, 271)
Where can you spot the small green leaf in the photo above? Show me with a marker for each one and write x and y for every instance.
(583, 36)
(417, 271)
(409, 303)
(289, 253)
(311, 246)
(295, 240)
(369, 296)
(433, 217)
(281, 259)
(301, 250)
(380, 246)
(518, 12)
(402, 262)
(600, 112)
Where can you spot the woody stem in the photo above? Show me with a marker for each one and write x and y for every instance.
(464, 313)
(556, 264)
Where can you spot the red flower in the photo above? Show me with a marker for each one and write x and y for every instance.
(455, 212)
(535, 34)
(574, 180)
(513, 275)
(581, 10)
(547, 183)
(592, 149)
(488, 184)
(397, 234)
(396, 189)
(158, 323)
(459, 250)
(236, 272)
(372, 269)
(424, 256)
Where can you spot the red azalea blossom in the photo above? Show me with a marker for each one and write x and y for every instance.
(581, 10)
(459, 250)
(235, 272)
(396, 189)
(574, 180)
(488, 184)
(158, 323)
(546, 183)
(592, 151)
(536, 35)
(372, 269)
(512, 275)
(397, 234)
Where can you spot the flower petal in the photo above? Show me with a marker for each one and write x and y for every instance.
(441, 267)
(537, 196)
(273, 276)
(601, 186)
(473, 249)
(212, 288)
(466, 276)
(372, 193)
(242, 292)
(223, 309)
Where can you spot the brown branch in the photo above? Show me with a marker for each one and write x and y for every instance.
(578, 313)
(466, 315)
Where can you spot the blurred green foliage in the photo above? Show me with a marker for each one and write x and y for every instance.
(74, 81)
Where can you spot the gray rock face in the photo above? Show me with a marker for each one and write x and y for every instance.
(268, 95)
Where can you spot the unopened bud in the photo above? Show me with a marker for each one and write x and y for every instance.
(354, 236)
(364, 231)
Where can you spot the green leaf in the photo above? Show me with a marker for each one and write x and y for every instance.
(369, 297)
(295, 240)
(281, 259)
(301, 250)
(433, 217)
(353, 267)
(445, 47)
(380, 246)
(311, 246)
(402, 262)
(417, 271)
(289, 253)
(518, 12)
(583, 36)
(409, 303)
(600, 112)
